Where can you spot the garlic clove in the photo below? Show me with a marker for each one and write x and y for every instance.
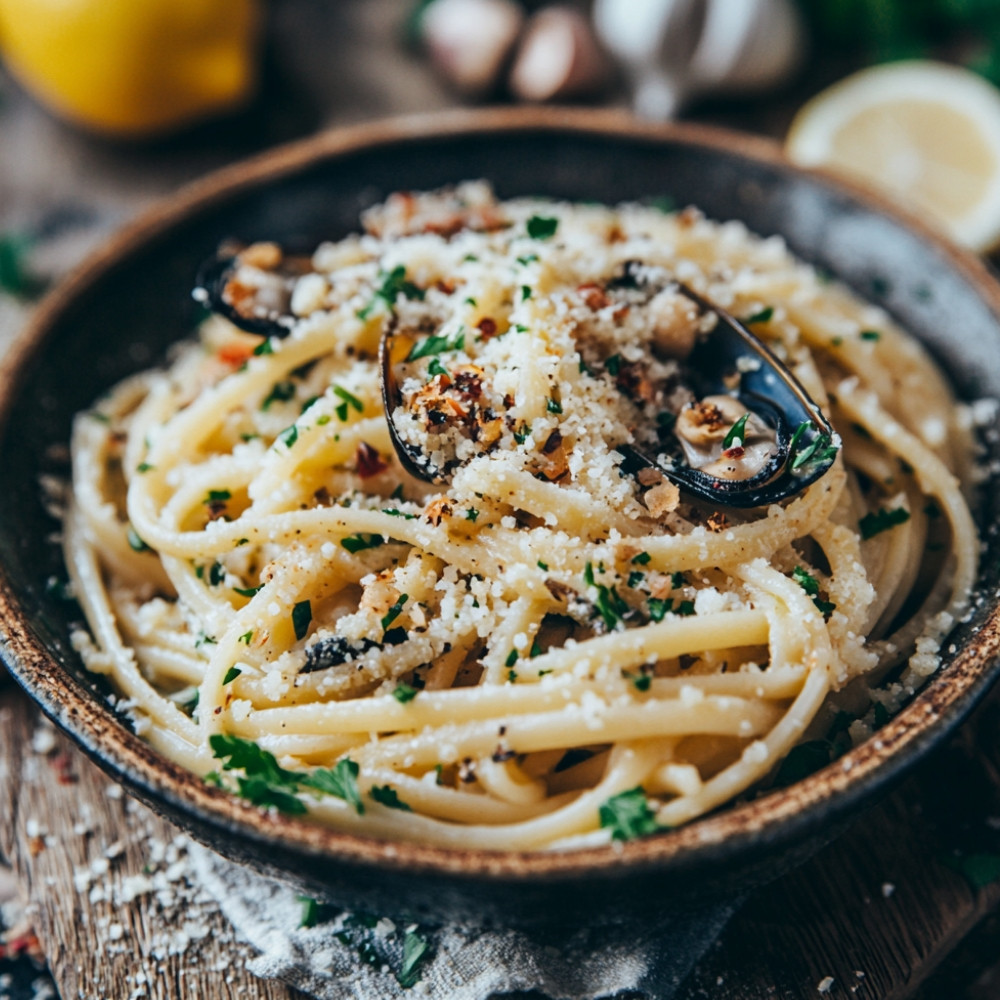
(558, 57)
(470, 41)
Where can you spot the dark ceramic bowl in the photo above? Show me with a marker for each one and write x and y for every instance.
(121, 310)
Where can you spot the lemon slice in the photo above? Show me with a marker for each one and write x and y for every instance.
(924, 132)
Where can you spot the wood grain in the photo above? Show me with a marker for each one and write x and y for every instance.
(63, 822)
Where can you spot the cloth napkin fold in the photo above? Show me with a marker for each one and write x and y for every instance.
(351, 956)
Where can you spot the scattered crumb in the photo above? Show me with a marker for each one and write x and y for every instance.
(888, 889)
(825, 984)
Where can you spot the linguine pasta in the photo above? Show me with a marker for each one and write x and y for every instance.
(541, 651)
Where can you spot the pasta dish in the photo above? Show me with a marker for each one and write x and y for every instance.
(469, 621)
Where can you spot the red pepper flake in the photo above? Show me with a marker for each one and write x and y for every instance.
(593, 296)
(737, 451)
(487, 327)
(62, 764)
(234, 354)
(369, 461)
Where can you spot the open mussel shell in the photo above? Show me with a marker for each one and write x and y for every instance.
(411, 457)
(261, 306)
(804, 439)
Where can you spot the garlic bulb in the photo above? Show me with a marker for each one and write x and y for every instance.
(558, 57)
(673, 50)
(470, 41)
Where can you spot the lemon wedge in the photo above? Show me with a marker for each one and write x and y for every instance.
(926, 133)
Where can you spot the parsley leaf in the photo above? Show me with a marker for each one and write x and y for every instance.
(349, 400)
(289, 436)
(542, 228)
(359, 542)
(819, 450)
(415, 951)
(231, 674)
(810, 585)
(435, 344)
(737, 432)
(874, 523)
(764, 316)
(393, 613)
(341, 781)
(404, 692)
(387, 796)
(628, 815)
(280, 392)
(394, 284)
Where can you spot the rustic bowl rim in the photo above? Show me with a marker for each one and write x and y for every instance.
(777, 818)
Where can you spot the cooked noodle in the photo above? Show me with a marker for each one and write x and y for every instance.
(543, 636)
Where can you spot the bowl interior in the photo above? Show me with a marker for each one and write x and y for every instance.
(123, 311)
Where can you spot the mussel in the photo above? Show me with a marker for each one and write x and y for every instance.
(777, 443)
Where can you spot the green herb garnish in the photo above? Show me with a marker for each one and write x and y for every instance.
(542, 228)
(736, 433)
(135, 542)
(435, 344)
(280, 392)
(359, 542)
(628, 815)
(764, 316)
(393, 613)
(810, 585)
(301, 617)
(386, 795)
(875, 523)
(231, 674)
(404, 692)
(394, 284)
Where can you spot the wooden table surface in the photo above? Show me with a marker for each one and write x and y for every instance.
(891, 910)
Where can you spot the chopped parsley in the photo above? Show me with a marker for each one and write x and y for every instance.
(544, 566)
(135, 542)
(521, 435)
(436, 368)
(280, 392)
(144, 467)
(613, 365)
(525, 292)
(349, 400)
(818, 451)
(404, 692)
(246, 637)
(301, 617)
(635, 578)
(386, 795)
(313, 911)
(415, 951)
(472, 514)
(737, 432)
(609, 603)
(628, 815)
(289, 436)
(641, 559)
(393, 613)
(511, 658)
(231, 674)
(871, 335)
(659, 607)
(264, 347)
(810, 585)
(359, 542)
(511, 676)
(527, 259)
(553, 405)
(217, 496)
(393, 512)
(216, 573)
(875, 523)
(435, 344)
(394, 284)
(640, 681)
(764, 316)
(542, 228)
(248, 591)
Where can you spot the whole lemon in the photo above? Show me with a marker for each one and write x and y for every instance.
(133, 67)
